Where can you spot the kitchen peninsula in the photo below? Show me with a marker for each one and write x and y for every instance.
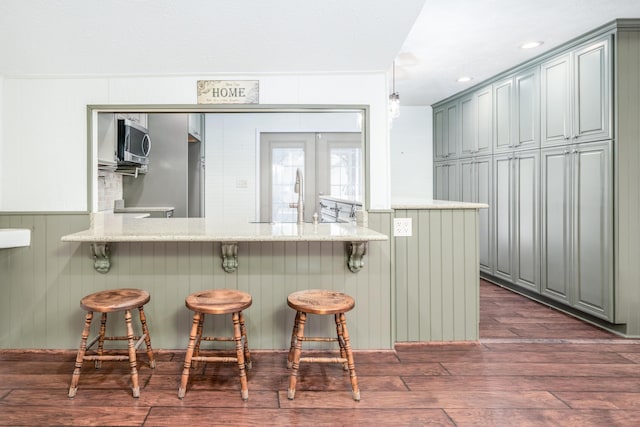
(109, 228)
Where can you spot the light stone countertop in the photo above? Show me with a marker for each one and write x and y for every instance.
(438, 204)
(123, 228)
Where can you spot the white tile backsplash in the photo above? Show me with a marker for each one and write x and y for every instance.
(109, 189)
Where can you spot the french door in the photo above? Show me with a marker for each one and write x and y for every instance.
(331, 165)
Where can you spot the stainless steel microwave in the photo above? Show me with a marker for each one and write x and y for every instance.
(134, 144)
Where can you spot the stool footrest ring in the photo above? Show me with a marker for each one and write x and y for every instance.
(224, 359)
(318, 339)
(340, 360)
(105, 357)
(217, 339)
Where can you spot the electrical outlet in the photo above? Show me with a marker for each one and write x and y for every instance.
(402, 227)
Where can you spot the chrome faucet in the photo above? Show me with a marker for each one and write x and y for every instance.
(299, 205)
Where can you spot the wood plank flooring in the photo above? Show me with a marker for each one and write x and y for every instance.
(532, 367)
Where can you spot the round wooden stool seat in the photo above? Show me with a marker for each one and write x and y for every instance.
(320, 301)
(115, 300)
(218, 301)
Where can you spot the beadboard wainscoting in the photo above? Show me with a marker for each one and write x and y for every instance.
(437, 276)
(419, 288)
(41, 285)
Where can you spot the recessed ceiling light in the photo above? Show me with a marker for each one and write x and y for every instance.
(530, 45)
(464, 79)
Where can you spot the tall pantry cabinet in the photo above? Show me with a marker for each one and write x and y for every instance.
(564, 174)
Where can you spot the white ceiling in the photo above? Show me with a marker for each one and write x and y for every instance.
(157, 37)
(480, 38)
(201, 36)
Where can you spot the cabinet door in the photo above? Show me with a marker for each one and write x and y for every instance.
(591, 120)
(439, 133)
(467, 126)
(484, 120)
(445, 181)
(452, 181)
(468, 181)
(502, 115)
(451, 130)
(525, 222)
(107, 139)
(527, 109)
(502, 200)
(483, 192)
(555, 108)
(592, 242)
(555, 223)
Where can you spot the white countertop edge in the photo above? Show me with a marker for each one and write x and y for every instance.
(438, 204)
(123, 228)
(226, 239)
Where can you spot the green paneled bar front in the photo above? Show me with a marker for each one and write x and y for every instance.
(409, 288)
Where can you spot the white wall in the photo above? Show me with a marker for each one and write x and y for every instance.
(44, 139)
(411, 144)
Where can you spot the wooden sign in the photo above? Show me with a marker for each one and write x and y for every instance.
(228, 91)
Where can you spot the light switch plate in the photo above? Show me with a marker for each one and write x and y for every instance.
(402, 227)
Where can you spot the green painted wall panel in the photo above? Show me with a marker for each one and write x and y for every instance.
(437, 276)
(407, 290)
(627, 177)
(41, 286)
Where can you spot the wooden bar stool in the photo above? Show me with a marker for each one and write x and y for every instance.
(105, 302)
(218, 301)
(319, 301)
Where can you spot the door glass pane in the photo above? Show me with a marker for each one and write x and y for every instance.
(345, 178)
(285, 161)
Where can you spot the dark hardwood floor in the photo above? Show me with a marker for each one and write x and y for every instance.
(532, 367)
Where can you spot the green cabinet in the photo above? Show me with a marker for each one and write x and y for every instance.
(467, 125)
(484, 121)
(476, 187)
(526, 116)
(445, 131)
(517, 111)
(516, 199)
(576, 95)
(503, 113)
(446, 180)
(577, 227)
(578, 107)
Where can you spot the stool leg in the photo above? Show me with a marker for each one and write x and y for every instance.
(343, 353)
(73, 388)
(147, 337)
(247, 354)
(196, 348)
(135, 387)
(352, 367)
(293, 340)
(293, 377)
(237, 337)
(103, 328)
(187, 359)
